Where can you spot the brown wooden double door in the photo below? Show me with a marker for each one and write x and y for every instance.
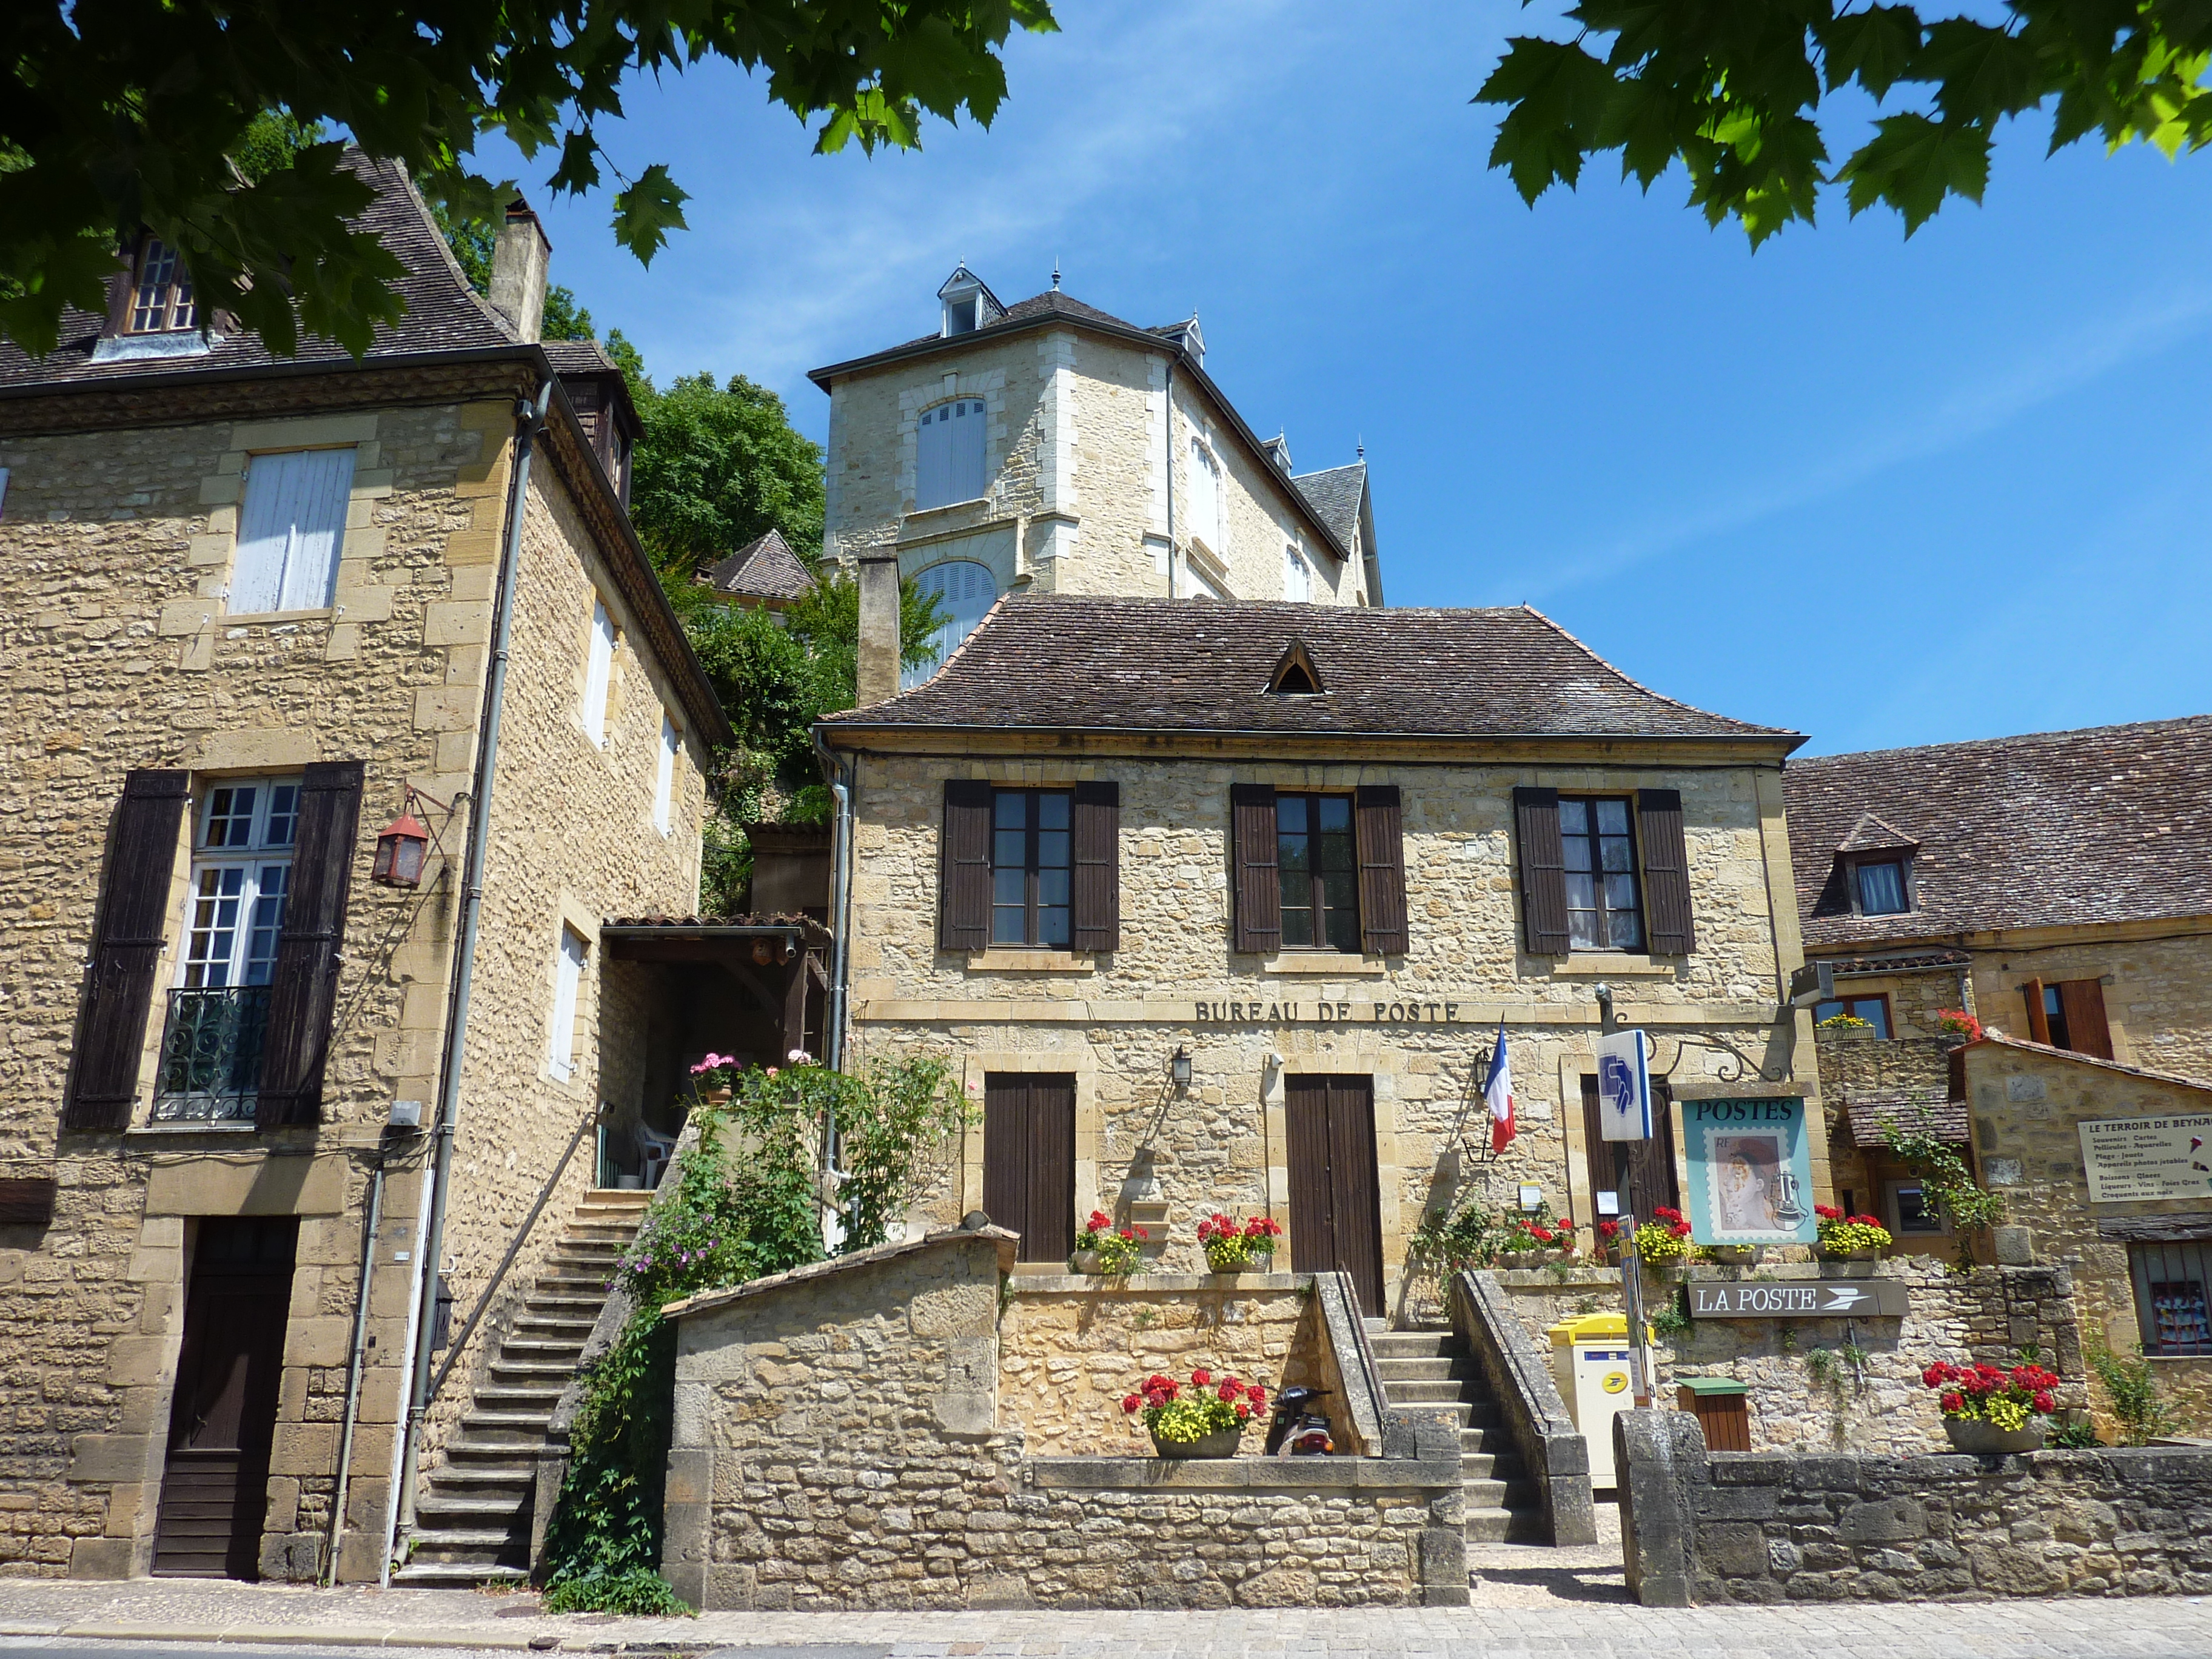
(215, 1484)
(1029, 1159)
(1335, 1211)
(1641, 1172)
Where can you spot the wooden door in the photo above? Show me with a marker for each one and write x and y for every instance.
(1641, 1172)
(215, 1487)
(1335, 1209)
(1029, 1159)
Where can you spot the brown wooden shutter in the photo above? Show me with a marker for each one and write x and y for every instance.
(2038, 1020)
(1667, 923)
(1096, 912)
(1252, 867)
(134, 912)
(963, 880)
(2087, 1032)
(303, 990)
(28, 1201)
(1641, 1172)
(1378, 826)
(1543, 871)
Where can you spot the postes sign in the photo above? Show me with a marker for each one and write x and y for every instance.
(1827, 1299)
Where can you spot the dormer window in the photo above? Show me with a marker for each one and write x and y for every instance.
(968, 304)
(1873, 874)
(161, 291)
(1295, 673)
(1880, 884)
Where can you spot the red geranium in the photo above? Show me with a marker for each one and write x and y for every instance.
(1827, 1212)
(1201, 1376)
(1608, 1230)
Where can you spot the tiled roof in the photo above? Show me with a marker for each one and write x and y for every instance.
(2056, 828)
(1334, 494)
(1913, 1110)
(1069, 661)
(1900, 962)
(1998, 1039)
(763, 569)
(444, 313)
(1872, 834)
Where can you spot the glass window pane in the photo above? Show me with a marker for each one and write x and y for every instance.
(1825, 1011)
(1052, 849)
(1613, 818)
(1052, 927)
(1621, 892)
(1344, 930)
(1874, 1012)
(230, 816)
(1052, 887)
(1624, 930)
(1010, 809)
(1881, 888)
(1577, 851)
(1335, 814)
(1582, 927)
(284, 816)
(1582, 892)
(1574, 818)
(1291, 854)
(1298, 925)
(1340, 893)
(1291, 814)
(1618, 853)
(1009, 886)
(1052, 811)
(1006, 925)
(1009, 849)
(267, 926)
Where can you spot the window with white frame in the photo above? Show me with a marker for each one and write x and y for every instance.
(664, 776)
(1297, 577)
(949, 454)
(291, 528)
(599, 673)
(1207, 520)
(211, 1040)
(161, 291)
(568, 981)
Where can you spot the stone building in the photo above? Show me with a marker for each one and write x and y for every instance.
(2056, 886)
(252, 604)
(1047, 444)
(1220, 908)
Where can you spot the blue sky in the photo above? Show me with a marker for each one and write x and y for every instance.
(1885, 492)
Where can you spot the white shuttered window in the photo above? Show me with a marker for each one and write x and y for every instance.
(664, 777)
(290, 529)
(949, 454)
(1206, 515)
(598, 673)
(567, 981)
(1298, 580)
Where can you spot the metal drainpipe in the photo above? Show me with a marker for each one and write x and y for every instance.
(353, 1370)
(529, 419)
(1170, 427)
(841, 860)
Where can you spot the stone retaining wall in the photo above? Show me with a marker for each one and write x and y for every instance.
(1701, 1527)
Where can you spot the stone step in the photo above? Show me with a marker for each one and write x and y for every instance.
(554, 1327)
(628, 1197)
(1394, 1370)
(513, 1483)
(1485, 1495)
(520, 1368)
(545, 1349)
(538, 1394)
(469, 1511)
(498, 1449)
(1411, 1345)
(587, 1287)
(1486, 1465)
(1424, 1391)
(566, 1300)
(456, 1574)
(1504, 1526)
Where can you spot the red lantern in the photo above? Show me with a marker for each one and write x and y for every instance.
(399, 852)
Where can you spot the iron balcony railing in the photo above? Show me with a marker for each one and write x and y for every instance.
(212, 1054)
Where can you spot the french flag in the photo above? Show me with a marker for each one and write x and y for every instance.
(1497, 1094)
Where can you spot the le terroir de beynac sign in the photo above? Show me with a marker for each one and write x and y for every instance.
(1825, 1298)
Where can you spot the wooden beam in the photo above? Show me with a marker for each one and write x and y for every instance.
(2156, 1228)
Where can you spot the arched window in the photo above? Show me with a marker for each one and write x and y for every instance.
(949, 456)
(1298, 580)
(964, 591)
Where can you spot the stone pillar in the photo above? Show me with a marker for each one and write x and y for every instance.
(518, 262)
(1654, 1452)
(879, 627)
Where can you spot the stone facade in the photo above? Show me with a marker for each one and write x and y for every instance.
(839, 1443)
(1419, 1024)
(1763, 1527)
(1082, 422)
(117, 548)
(2027, 1103)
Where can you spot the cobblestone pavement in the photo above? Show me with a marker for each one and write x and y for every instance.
(1527, 1610)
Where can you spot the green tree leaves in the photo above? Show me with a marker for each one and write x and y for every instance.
(1739, 92)
(124, 113)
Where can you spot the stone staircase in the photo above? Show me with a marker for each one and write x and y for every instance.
(473, 1517)
(1433, 1369)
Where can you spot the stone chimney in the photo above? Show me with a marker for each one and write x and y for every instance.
(518, 261)
(879, 627)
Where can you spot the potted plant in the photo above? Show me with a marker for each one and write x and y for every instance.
(1664, 1239)
(1987, 1409)
(1104, 1249)
(711, 1077)
(1204, 1418)
(1235, 1247)
(1608, 1244)
(1534, 1240)
(1845, 1025)
(1848, 1237)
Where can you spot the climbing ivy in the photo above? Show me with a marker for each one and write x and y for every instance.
(1948, 1181)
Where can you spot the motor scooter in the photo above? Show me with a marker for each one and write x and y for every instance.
(1299, 1427)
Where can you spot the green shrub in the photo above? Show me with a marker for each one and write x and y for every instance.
(2133, 1393)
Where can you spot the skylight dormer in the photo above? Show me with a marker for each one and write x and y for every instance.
(1295, 674)
(968, 301)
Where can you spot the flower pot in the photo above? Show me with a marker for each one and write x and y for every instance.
(1258, 1261)
(1865, 1254)
(1738, 1255)
(1222, 1442)
(1982, 1439)
(718, 1097)
(1084, 1262)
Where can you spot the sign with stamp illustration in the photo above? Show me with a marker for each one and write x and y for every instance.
(2131, 1159)
(1827, 1298)
(1751, 1171)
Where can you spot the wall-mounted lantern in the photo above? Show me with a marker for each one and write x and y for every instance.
(399, 852)
(1179, 1068)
